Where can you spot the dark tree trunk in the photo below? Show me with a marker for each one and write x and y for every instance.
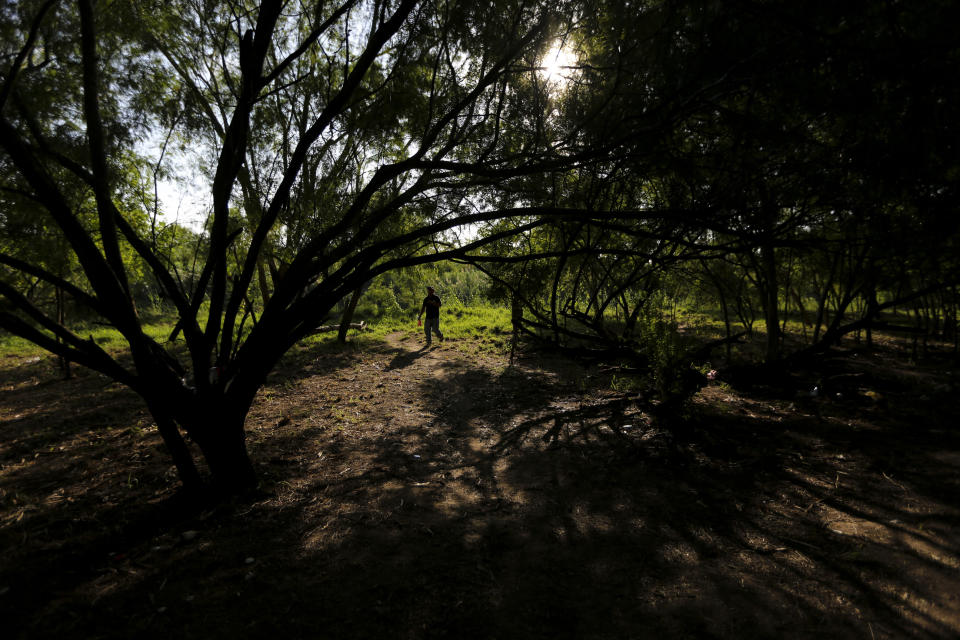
(804, 320)
(726, 324)
(516, 320)
(871, 313)
(771, 302)
(182, 459)
(224, 449)
(216, 425)
(63, 362)
(347, 316)
(262, 282)
(724, 309)
(822, 299)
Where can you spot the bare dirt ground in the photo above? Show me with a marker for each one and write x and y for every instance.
(412, 493)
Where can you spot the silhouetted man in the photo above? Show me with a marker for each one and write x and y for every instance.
(431, 304)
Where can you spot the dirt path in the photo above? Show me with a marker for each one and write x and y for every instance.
(420, 493)
(421, 360)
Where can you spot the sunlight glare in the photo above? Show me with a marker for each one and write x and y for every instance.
(556, 65)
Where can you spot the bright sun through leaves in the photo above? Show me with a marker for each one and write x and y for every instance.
(556, 64)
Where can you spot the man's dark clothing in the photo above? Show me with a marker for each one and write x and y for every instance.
(432, 311)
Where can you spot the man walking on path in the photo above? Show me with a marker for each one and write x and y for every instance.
(431, 304)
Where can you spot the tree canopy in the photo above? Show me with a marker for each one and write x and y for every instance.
(341, 141)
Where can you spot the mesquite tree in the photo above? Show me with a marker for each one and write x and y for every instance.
(351, 138)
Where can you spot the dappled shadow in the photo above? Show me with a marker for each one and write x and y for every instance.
(403, 358)
(496, 502)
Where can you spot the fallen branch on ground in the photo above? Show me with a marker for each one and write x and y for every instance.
(359, 326)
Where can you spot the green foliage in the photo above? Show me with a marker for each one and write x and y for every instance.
(398, 294)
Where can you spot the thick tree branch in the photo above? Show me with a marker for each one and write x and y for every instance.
(253, 50)
(115, 302)
(77, 293)
(302, 268)
(85, 352)
(333, 108)
(97, 142)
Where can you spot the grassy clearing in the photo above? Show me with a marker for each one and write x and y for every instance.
(157, 327)
(482, 328)
(477, 328)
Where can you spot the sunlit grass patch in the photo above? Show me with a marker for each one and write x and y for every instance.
(479, 327)
(475, 321)
(14, 346)
(108, 338)
(472, 328)
(159, 329)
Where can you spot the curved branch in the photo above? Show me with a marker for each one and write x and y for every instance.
(78, 294)
(333, 108)
(116, 304)
(85, 352)
(96, 139)
(308, 41)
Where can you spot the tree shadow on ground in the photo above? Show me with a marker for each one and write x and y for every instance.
(403, 358)
(512, 503)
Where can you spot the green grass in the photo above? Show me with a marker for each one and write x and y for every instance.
(476, 321)
(484, 328)
(109, 339)
(13, 346)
